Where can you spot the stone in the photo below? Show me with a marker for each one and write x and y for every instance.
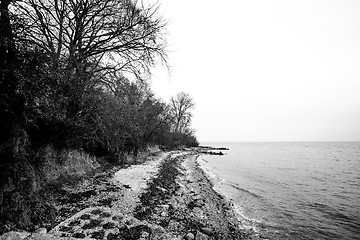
(199, 203)
(163, 210)
(164, 206)
(14, 235)
(40, 231)
(197, 197)
(189, 236)
(145, 235)
(200, 236)
(206, 230)
(162, 189)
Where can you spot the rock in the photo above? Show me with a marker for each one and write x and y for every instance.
(214, 153)
(199, 203)
(144, 236)
(161, 237)
(164, 209)
(9, 186)
(207, 231)
(162, 189)
(14, 235)
(49, 237)
(197, 197)
(189, 236)
(232, 228)
(107, 222)
(164, 206)
(40, 231)
(200, 236)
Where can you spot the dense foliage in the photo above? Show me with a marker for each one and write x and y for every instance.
(72, 65)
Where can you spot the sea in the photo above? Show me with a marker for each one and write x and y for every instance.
(290, 190)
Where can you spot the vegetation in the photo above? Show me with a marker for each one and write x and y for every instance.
(74, 75)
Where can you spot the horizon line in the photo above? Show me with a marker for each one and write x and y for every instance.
(291, 141)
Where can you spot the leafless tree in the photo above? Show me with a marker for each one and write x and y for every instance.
(181, 106)
(99, 36)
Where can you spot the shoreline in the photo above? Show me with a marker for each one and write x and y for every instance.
(219, 184)
(169, 196)
(189, 205)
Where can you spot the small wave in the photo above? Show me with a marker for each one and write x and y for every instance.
(318, 178)
(234, 185)
(329, 211)
(241, 213)
(211, 176)
(288, 169)
(247, 223)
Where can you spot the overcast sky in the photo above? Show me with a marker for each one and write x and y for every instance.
(266, 70)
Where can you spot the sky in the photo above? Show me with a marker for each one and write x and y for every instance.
(265, 70)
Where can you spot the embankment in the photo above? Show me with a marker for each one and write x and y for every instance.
(29, 188)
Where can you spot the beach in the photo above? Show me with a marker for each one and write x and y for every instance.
(167, 196)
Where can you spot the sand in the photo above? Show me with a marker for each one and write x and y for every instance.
(137, 176)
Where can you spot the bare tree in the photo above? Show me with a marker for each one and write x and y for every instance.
(99, 36)
(181, 106)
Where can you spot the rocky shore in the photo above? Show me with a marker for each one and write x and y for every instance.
(168, 196)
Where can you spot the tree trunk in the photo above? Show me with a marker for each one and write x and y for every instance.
(7, 79)
(12, 114)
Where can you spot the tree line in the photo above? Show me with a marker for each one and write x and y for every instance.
(75, 74)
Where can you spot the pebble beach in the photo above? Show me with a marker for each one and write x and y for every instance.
(167, 196)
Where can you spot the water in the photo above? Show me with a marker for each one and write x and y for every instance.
(291, 190)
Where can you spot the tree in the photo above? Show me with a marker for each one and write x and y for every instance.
(11, 102)
(86, 47)
(99, 36)
(64, 66)
(89, 45)
(181, 106)
(7, 59)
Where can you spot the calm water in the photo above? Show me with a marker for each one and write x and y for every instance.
(292, 190)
